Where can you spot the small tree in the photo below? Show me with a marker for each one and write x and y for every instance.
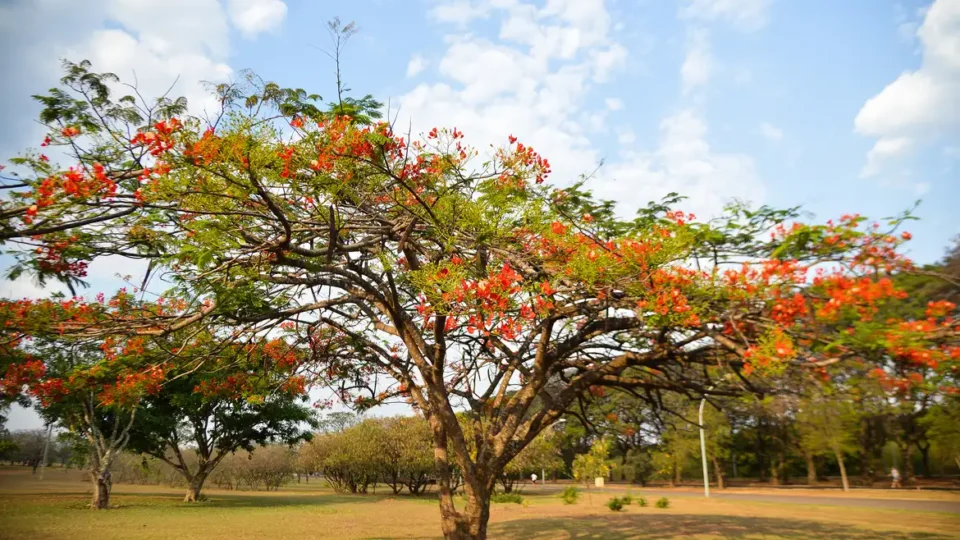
(89, 388)
(943, 427)
(408, 453)
(828, 426)
(717, 436)
(27, 446)
(226, 404)
(338, 421)
(350, 460)
(270, 466)
(541, 455)
(594, 463)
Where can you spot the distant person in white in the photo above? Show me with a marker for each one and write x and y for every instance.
(534, 477)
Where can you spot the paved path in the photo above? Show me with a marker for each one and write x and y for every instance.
(913, 505)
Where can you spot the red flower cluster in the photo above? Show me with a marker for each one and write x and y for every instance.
(18, 375)
(160, 140)
(129, 388)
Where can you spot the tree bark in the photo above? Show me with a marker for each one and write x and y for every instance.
(843, 470)
(811, 469)
(761, 449)
(195, 485)
(471, 522)
(101, 489)
(925, 459)
(717, 471)
(908, 471)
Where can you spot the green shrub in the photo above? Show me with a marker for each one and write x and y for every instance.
(615, 504)
(663, 502)
(627, 499)
(570, 495)
(514, 498)
(641, 501)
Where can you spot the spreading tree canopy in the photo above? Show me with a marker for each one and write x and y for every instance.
(416, 267)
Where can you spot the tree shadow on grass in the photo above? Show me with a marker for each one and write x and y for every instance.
(254, 500)
(643, 527)
(245, 499)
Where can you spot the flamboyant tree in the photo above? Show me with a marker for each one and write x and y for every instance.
(106, 388)
(95, 399)
(222, 400)
(826, 427)
(417, 269)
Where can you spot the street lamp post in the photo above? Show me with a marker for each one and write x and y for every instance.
(703, 452)
(703, 446)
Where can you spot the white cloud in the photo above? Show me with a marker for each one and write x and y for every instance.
(152, 43)
(770, 131)
(255, 16)
(626, 137)
(698, 65)
(529, 78)
(416, 65)
(921, 105)
(177, 40)
(606, 61)
(907, 31)
(533, 83)
(459, 11)
(746, 15)
(683, 163)
(883, 151)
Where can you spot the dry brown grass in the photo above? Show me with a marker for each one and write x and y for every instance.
(54, 509)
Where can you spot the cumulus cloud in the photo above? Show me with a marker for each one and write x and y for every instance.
(459, 11)
(417, 64)
(922, 105)
(529, 78)
(532, 82)
(154, 44)
(683, 162)
(770, 131)
(746, 15)
(252, 17)
(698, 65)
(884, 150)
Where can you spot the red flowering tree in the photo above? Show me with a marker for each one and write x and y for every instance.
(222, 398)
(419, 270)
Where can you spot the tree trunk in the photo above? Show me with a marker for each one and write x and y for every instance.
(471, 522)
(908, 471)
(782, 469)
(194, 487)
(843, 470)
(866, 452)
(761, 449)
(717, 471)
(811, 469)
(925, 459)
(101, 489)
(677, 474)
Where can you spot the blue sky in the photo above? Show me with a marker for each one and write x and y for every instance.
(839, 106)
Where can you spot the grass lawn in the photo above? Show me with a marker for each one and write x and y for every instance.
(55, 509)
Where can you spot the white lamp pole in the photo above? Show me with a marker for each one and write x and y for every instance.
(703, 447)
